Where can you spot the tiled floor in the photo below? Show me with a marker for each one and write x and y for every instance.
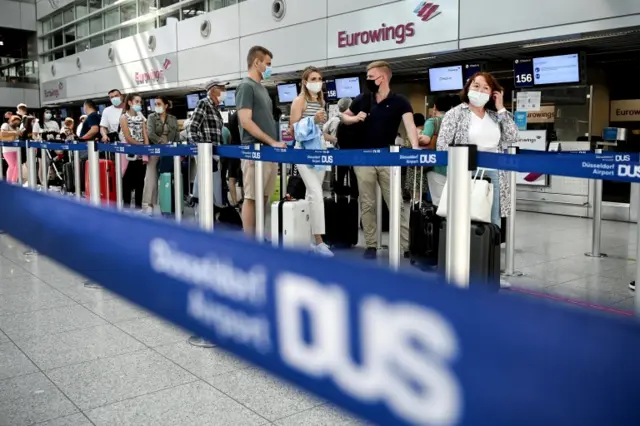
(76, 356)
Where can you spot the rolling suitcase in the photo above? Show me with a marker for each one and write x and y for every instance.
(107, 174)
(290, 224)
(341, 219)
(485, 255)
(424, 228)
(166, 195)
(68, 177)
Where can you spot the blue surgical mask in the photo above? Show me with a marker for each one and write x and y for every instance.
(47, 116)
(116, 101)
(266, 74)
(137, 108)
(159, 110)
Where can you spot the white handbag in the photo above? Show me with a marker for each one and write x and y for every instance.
(481, 198)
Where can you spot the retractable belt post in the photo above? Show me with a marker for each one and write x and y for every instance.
(259, 195)
(177, 185)
(76, 173)
(462, 159)
(1, 164)
(94, 173)
(44, 163)
(596, 230)
(205, 205)
(119, 189)
(33, 180)
(511, 223)
(395, 208)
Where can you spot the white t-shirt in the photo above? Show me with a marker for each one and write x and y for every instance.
(111, 118)
(79, 129)
(484, 132)
(6, 128)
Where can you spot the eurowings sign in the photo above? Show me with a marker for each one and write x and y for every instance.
(400, 24)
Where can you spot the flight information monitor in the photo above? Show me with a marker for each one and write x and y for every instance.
(446, 79)
(348, 87)
(287, 92)
(556, 69)
(470, 70)
(192, 100)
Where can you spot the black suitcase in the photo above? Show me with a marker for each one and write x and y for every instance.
(296, 189)
(341, 220)
(424, 228)
(68, 178)
(485, 255)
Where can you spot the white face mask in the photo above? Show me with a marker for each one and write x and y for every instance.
(222, 97)
(314, 87)
(478, 99)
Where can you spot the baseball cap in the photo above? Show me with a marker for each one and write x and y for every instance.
(214, 82)
(21, 106)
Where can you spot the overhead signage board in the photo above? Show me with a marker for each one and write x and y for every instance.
(53, 91)
(152, 72)
(407, 23)
(625, 110)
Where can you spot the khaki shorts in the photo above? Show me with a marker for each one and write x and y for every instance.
(269, 176)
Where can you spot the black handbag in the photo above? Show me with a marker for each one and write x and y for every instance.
(296, 189)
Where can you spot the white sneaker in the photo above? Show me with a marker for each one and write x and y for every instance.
(323, 250)
(148, 210)
(504, 284)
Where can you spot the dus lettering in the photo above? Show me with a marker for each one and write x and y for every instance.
(623, 158)
(628, 171)
(255, 155)
(326, 159)
(405, 351)
(427, 158)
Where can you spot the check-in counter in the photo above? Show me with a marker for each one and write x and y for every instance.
(561, 195)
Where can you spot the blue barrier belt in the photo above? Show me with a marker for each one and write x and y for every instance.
(57, 146)
(612, 156)
(13, 144)
(336, 157)
(394, 348)
(151, 150)
(588, 166)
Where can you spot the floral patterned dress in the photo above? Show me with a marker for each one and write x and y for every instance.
(455, 129)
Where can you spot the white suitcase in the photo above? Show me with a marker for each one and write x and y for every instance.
(290, 225)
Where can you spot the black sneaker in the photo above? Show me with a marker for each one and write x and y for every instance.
(632, 286)
(407, 255)
(370, 253)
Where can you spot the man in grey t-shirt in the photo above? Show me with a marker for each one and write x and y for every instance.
(255, 113)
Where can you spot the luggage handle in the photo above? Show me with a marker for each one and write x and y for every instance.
(413, 195)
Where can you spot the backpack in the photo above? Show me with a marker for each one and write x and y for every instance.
(436, 130)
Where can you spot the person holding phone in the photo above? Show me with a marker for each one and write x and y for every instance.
(310, 103)
(482, 120)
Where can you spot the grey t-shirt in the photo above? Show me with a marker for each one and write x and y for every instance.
(252, 95)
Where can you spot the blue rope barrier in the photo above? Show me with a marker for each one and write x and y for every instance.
(57, 146)
(392, 348)
(151, 150)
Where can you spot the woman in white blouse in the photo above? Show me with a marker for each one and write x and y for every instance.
(481, 119)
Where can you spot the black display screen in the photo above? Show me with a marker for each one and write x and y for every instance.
(332, 93)
(470, 70)
(523, 72)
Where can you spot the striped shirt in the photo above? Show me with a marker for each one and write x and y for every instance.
(311, 110)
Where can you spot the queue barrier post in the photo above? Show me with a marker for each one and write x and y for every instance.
(76, 174)
(596, 229)
(1, 164)
(33, 181)
(177, 185)
(459, 214)
(94, 188)
(205, 206)
(395, 208)
(259, 195)
(44, 165)
(119, 188)
(509, 270)
(19, 161)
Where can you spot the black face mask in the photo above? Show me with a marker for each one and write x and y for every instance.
(372, 86)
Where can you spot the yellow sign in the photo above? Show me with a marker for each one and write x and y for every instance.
(546, 114)
(627, 110)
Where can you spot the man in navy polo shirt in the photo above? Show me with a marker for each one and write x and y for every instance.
(381, 111)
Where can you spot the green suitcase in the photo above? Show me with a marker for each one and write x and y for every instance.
(166, 196)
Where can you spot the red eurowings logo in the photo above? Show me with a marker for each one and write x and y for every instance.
(426, 10)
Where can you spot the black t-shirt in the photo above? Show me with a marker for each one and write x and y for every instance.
(383, 121)
(348, 137)
(92, 119)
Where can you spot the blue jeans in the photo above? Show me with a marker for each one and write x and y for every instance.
(495, 181)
